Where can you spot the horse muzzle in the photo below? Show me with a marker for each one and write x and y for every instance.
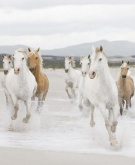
(124, 76)
(32, 69)
(66, 70)
(92, 75)
(83, 74)
(5, 72)
(16, 71)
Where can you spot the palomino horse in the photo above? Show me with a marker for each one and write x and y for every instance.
(85, 66)
(125, 86)
(24, 85)
(101, 91)
(7, 66)
(72, 77)
(35, 62)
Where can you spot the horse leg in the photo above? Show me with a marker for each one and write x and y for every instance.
(80, 101)
(127, 102)
(7, 101)
(40, 102)
(121, 105)
(66, 89)
(130, 102)
(107, 125)
(73, 92)
(28, 105)
(11, 127)
(16, 107)
(92, 122)
(44, 96)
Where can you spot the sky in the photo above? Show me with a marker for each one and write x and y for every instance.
(51, 24)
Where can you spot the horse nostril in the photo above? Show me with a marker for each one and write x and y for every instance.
(93, 73)
(66, 70)
(5, 71)
(123, 76)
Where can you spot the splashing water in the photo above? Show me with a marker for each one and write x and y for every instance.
(61, 126)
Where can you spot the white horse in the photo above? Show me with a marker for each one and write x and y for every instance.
(21, 85)
(85, 66)
(72, 77)
(101, 92)
(7, 66)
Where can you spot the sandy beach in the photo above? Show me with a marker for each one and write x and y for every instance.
(16, 156)
(61, 134)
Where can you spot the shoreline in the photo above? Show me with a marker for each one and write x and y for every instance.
(21, 156)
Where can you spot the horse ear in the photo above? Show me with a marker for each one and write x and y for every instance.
(93, 49)
(101, 48)
(128, 62)
(122, 61)
(2, 56)
(89, 56)
(38, 50)
(29, 49)
(10, 57)
(81, 59)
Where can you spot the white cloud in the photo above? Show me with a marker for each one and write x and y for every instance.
(60, 26)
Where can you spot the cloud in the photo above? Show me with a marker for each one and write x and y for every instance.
(59, 26)
(35, 4)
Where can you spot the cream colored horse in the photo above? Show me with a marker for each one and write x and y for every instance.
(125, 86)
(35, 62)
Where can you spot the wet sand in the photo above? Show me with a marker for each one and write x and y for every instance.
(16, 156)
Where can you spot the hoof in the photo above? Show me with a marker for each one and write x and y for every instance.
(10, 128)
(81, 107)
(25, 120)
(13, 117)
(92, 123)
(113, 142)
(16, 107)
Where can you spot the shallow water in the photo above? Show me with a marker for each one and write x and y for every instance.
(61, 126)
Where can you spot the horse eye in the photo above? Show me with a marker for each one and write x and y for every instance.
(9, 62)
(23, 58)
(100, 59)
(88, 63)
(36, 58)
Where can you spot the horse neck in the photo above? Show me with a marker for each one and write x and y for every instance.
(104, 75)
(121, 80)
(22, 76)
(70, 71)
(37, 72)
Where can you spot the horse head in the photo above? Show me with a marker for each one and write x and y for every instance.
(98, 61)
(85, 65)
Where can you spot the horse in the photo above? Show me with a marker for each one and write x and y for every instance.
(100, 91)
(85, 65)
(35, 66)
(7, 66)
(21, 85)
(73, 76)
(125, 86)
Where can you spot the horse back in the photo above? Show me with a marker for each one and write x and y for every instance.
(130, 84)
(43, 84)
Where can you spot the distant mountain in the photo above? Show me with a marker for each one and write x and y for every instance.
(111, 48)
